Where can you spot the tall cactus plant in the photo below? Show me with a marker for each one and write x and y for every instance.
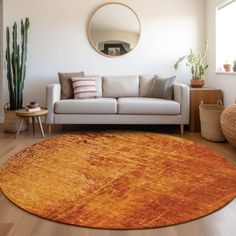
(16, 56)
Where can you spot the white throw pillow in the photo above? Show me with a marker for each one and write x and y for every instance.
(84, 87)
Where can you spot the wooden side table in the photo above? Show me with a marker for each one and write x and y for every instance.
(26, 115)
(208, 96)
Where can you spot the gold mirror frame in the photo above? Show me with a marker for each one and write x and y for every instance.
(89, 28)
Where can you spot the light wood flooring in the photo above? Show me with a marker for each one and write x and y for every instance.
(17, 222)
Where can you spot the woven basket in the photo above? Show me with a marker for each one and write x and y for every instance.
(12, 121)
(210, 121)
(228, 124)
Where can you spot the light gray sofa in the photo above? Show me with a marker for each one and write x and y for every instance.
(121, 100)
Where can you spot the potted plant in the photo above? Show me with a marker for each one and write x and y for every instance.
(227, 66)
(16, 56)
(197, 66)
(234, 67)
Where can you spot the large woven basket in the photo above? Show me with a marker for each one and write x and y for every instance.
(228, 124)
(12, 121)
(210, 121)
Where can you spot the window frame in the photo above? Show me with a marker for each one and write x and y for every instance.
(218, 8)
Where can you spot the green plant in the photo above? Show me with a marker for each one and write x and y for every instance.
(195, 62)
(16, 56)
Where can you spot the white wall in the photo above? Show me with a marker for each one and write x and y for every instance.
(1, 60)
(226, 82)
(58, 39)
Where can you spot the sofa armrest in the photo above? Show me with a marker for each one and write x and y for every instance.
(53, 94)
(181, 95)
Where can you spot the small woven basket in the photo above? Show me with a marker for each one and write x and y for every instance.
(210, 121)
(228, 124)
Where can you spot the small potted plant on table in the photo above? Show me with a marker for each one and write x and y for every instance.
(197, 66)
(16, 56)
(227, 66)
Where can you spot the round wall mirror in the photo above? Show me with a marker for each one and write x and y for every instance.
(114, 29)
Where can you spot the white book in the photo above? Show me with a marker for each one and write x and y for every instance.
(33, 109)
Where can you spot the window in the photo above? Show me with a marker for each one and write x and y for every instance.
(226, 36)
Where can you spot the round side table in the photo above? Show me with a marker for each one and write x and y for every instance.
(26, 115)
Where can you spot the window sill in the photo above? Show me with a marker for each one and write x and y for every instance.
(225, 73)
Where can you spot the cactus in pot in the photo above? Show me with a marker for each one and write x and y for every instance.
(16, 56)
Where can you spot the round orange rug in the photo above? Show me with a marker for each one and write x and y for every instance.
(118, 180)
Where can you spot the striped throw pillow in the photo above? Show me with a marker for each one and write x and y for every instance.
(84, 87)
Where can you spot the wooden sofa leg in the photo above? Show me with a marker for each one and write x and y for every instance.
(182, 129)
(49, 128)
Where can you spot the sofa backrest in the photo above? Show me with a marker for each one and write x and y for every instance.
(98, 80)
(120, 86)
(145, 83)
(123, 86)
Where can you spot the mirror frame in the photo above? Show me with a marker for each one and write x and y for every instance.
(89, 28)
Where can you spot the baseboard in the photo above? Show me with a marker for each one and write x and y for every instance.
(1, 119)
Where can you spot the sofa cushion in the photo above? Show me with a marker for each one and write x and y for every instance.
(120, 86)
(162, 87)
(145, 84)
(86, 106)
(84, 87)
(148, 106)
(66, 84)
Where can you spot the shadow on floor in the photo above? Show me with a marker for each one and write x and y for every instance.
(167, 129)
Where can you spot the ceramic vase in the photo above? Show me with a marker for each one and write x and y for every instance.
(234, 68)
(227, 67)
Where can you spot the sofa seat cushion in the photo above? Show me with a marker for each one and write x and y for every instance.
(148, 106)
(87, 106)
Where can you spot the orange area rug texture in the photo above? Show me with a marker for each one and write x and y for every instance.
(118, 180)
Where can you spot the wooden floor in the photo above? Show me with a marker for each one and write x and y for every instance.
(15, 221)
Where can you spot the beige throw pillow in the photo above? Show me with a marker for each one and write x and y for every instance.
(67, 91)
(162, 88)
